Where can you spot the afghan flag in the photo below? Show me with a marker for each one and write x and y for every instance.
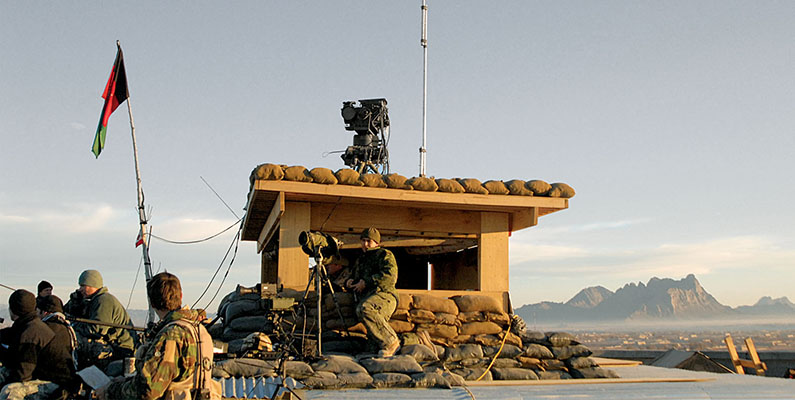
(115, 94)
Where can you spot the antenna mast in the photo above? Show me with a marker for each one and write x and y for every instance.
(424, 43)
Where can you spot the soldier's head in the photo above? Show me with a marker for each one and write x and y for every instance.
(48, 304)
(21, 303)
(165, 292)
(371, 238)
(90, 282)
(45, 288)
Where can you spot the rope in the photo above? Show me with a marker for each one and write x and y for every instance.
(196, 241)
(507, 331)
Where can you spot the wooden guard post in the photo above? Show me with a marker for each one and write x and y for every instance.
(739, 364)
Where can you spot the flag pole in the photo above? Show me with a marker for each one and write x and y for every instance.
(141, 209)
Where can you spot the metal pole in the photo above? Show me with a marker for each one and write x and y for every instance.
(424, 43)
(318, 285)
(141, 209)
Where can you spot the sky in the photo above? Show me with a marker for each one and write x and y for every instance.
(672, 120)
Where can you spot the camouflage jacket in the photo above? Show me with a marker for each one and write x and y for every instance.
(171, 356)
(378, 268)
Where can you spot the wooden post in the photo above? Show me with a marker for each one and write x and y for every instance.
(293, 262)
(733, 354)
(493, 252)
(740, 364)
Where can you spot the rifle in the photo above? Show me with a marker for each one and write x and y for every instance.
(110, 324)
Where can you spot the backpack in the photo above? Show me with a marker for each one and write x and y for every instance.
(201, 385)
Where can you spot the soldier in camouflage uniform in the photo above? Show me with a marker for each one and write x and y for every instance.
(374, 278)
(166, 367)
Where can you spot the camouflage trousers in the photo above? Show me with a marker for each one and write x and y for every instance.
(374, 311)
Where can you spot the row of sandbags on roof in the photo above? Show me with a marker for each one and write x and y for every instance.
(347, 176)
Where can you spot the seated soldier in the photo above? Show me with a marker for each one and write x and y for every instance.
(99, 344)
(338, 272)
(50, 310)
(177, 362)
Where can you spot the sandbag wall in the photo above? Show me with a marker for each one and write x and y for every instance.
(347, 176)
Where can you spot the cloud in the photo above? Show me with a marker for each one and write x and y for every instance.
(526, 252)
(77, 126)
(596, 226)
(13, 219)
(79, 218)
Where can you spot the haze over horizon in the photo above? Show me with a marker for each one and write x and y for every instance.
(671, 120)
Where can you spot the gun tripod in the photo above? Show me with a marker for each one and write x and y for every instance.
(320, 278)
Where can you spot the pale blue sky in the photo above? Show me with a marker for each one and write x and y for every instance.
(672, 120)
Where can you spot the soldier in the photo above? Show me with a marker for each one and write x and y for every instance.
(99, 344)
(44, 289)
(374, 276)
(50, 310)
(181, 349)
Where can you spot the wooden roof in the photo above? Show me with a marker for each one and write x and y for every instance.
(524, 210)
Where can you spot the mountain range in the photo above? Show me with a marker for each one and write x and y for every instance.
(658, 300)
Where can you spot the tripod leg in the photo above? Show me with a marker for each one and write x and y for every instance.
(327, 281)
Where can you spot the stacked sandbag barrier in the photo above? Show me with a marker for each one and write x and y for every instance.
(350, 177)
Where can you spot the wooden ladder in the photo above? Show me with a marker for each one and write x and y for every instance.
(754, 363)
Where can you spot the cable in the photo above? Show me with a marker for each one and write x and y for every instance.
(232, 261)
(140, 262)
(195, 241)
(219, 267)
(219, 196)
(497, 354)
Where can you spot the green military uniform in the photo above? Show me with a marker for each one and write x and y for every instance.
(102, 306)
(170, 357)
(378, 269)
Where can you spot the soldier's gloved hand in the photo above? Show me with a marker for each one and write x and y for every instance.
(76, 296)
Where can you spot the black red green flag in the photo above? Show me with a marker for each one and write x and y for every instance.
(115, 94)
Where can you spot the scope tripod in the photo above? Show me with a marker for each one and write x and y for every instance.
(319, 277)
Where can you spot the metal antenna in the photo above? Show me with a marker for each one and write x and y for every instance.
(424, 43)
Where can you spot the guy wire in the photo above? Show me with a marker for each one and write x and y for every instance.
(219, 267)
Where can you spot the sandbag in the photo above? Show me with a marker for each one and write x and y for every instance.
(472, 316)
(561, 339)
(372, 180)
(472, 185)
(409, 338)
(538, 187)
(216, 331)
(420, 352)
(232, 334)
(537, 351)
(517, 187)
(338, 365)
(471, 374)
(235, 346)
(401, 315)
(553, 364)
(508, 351)
(270, 172)
(245, 367)
(534, 337)
(514, 374)
(429, 380)
(404, 301)
(347, 176)
(502, 318)
(435, 304)
(529, 362)
(322, 380)
(252, 324)
(343, 299)
(462, 352)
(487, 340)
(496, 187)
(403, 364)
(593, 373)
(446, 319)
(449, 186)
(356, 380)
(551, 375)
(422, 316)
(348, 346)
(297, 173)
(350, 324)
(323, 175)
(581, 362)
(298, 369)
(401, 326)
(390, 379)
(439, 331)
(423, 183)
(397, 181)
(241, 308)
(474, 302)
(562, 190)
(454, 379)
(564, 353)
(480, 328)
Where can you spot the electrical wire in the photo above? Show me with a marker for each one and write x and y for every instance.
(226, 274)
(196, 241)
(135, 281)
(220, 265)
